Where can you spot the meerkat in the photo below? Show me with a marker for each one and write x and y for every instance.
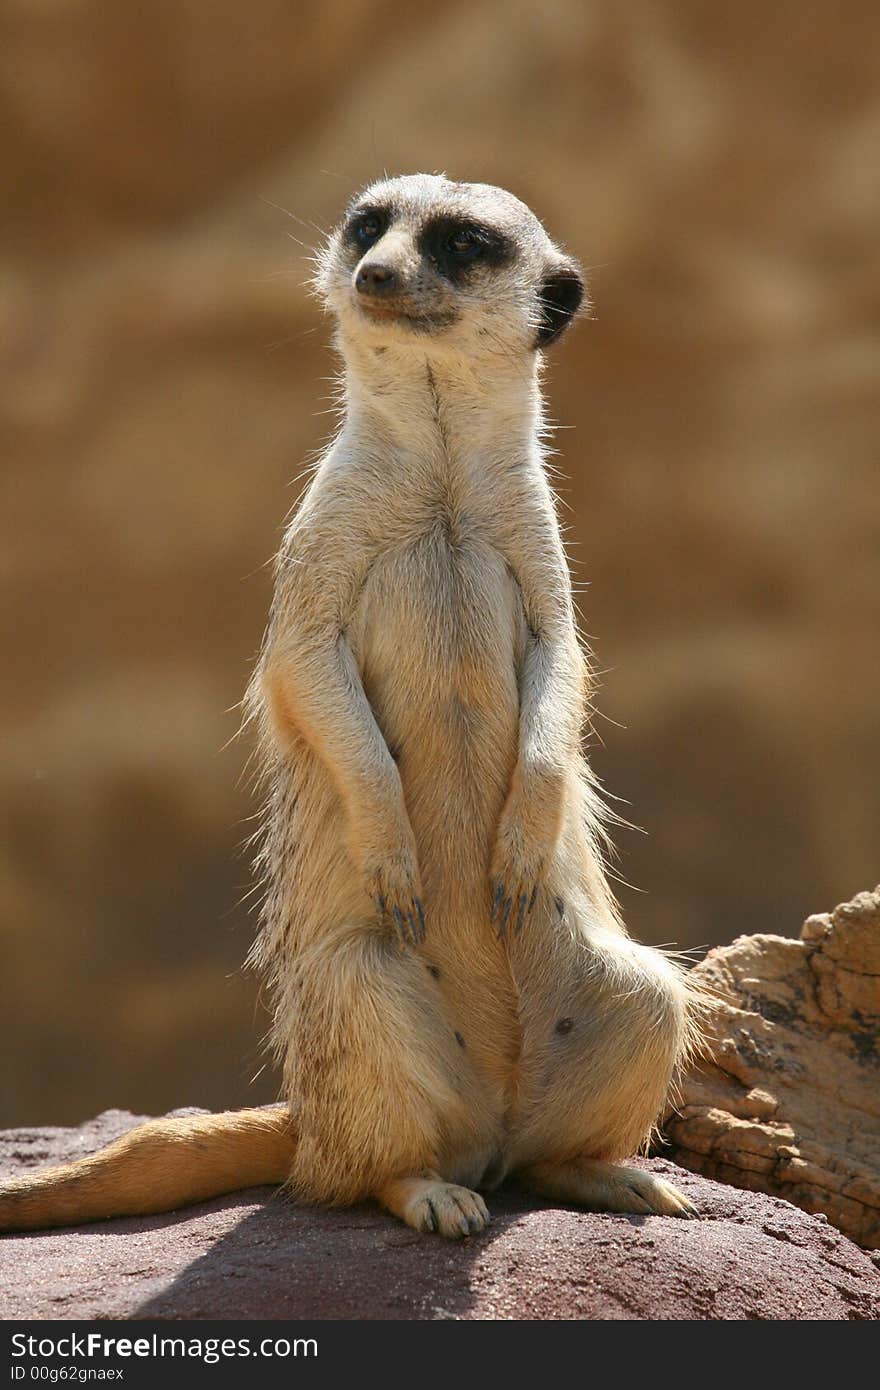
(456, 1001)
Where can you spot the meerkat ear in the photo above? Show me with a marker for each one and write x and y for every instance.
(559, 298)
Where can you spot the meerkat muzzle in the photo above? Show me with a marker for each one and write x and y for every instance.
(374, 280)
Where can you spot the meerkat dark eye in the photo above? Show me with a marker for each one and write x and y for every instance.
(453, 246)
(365, 229)
(464, 244)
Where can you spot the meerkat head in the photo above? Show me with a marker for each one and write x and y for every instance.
(464, 268)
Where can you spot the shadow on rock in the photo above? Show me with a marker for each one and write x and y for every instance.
(288, 1261)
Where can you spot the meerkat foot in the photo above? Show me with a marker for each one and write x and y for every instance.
(611, 1187)
(427, 1203)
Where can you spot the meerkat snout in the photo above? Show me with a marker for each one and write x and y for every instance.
(466, 264)
(376, 279)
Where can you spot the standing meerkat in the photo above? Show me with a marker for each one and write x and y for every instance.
(455, 998)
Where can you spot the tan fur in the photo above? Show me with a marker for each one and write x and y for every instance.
(159, 1166)
(420, 698)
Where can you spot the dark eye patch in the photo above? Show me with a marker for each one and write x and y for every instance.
(364, 226)
(456, 244)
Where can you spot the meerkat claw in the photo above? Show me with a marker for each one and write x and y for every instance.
(497, 904)
(520, 916)
(502, 925)
(400, 924)
(421, 913)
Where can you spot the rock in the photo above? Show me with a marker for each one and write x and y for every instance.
(787, 1098)
(254, 1255)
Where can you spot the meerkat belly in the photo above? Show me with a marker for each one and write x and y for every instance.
(439, 635)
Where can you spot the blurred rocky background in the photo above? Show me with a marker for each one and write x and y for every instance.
(166, 168)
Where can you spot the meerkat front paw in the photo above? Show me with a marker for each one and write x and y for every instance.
(393, 883)
(526, 839)
(512, 901)
(518, 871)
(384, 847)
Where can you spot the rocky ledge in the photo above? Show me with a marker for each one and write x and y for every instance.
(255, 1255)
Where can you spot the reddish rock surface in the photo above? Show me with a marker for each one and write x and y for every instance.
(253, 1255)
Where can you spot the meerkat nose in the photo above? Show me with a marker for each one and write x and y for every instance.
(374, 278)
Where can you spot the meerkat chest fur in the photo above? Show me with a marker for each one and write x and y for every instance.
(439, 627)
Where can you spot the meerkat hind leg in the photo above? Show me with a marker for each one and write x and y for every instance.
(611, 1187)
(427, 1203)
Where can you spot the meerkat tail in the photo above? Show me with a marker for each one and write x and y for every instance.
(160, 1166)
